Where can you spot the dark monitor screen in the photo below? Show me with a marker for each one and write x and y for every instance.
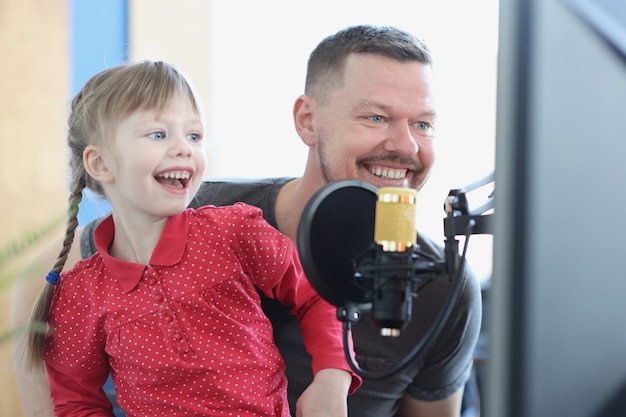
(557, 319)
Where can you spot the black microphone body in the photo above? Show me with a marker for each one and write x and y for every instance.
(393, 294)
(391, 281)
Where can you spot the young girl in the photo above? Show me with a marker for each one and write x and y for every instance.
(169, 303)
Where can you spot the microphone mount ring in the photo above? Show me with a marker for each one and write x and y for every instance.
(348, 313)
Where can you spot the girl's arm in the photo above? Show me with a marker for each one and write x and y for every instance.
(78, 396)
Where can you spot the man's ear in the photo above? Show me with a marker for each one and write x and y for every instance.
(303, 112)
(95, 165)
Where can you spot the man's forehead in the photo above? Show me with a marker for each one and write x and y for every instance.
(377, 71)
(409, 84)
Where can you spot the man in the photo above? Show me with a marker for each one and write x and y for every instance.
(368, 113)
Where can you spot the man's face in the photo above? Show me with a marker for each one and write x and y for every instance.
(378, 126)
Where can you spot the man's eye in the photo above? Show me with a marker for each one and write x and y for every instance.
(425, 127)
(376, 119)
(157, 135)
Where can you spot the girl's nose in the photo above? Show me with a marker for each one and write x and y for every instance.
(182, 147)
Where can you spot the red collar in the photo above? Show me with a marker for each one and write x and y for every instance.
(168, 251)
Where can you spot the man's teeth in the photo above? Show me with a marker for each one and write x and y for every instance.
(390, 174)
(179, 175)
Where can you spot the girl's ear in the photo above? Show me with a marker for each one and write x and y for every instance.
(303, 112)
(95, 165)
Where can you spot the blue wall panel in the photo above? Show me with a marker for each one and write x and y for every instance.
(98, 40)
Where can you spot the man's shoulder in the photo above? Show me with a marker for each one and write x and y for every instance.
(226, 191)
(429, 245)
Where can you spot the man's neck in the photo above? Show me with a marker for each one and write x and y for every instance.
(292, 198)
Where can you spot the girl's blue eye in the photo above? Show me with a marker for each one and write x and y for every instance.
(195, 137)
(157, 135)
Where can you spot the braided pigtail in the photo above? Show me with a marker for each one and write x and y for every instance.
(37, 334)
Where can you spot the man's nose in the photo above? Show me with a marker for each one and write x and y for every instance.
(400, 140)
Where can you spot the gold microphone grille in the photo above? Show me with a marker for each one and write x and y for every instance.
(395, 218)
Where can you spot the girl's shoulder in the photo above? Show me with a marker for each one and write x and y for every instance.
(82, 277)
(235, 212)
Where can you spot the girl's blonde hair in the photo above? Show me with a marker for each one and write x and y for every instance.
(104, 100)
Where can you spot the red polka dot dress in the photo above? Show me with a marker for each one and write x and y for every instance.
(185, 335)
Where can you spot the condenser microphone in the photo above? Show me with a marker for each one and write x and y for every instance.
(358, 247)
(395, 235)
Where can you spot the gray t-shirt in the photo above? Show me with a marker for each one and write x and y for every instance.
(436, 374)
